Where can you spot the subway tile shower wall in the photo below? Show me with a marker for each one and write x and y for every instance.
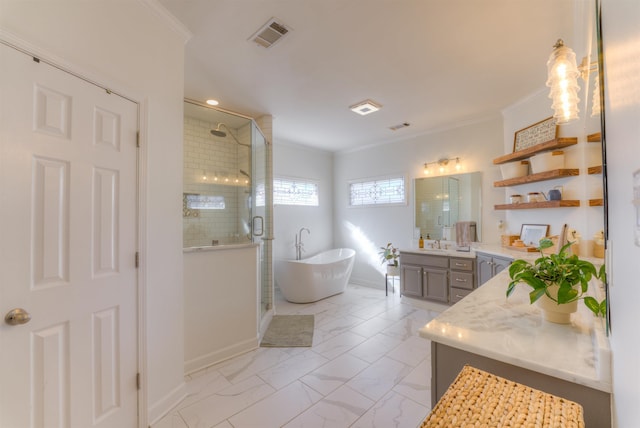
(211, 167)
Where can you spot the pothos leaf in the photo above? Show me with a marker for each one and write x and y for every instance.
(603, 308)
(592, 304)
(536, 294)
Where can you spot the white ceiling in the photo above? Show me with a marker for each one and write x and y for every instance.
(432, 63)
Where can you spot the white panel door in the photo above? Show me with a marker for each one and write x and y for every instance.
(68, 165)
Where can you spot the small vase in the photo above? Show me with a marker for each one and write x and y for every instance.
(553, 312)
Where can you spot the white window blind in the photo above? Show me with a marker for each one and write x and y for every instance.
(380, 191)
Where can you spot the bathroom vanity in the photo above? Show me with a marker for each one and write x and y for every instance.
(510, 338)
(443, 276)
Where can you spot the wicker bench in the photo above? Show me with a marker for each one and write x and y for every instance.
(480, 399)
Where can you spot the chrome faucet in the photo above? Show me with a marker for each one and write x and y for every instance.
(436, 244)
(299, 244)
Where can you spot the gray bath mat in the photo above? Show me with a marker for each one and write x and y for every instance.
(286, 331)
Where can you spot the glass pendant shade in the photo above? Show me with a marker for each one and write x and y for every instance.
(595, 106)
(562, 78)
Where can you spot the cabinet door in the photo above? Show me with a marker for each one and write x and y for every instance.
(411, 280)
(435, 284)
(500, 264)
(484, 268)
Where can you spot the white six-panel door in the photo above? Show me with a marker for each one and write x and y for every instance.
(68, 162)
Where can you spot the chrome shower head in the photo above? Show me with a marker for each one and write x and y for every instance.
(219, 133)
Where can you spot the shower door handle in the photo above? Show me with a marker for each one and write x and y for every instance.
(255, 230)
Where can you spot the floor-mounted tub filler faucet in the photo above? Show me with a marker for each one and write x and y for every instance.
(299, 244)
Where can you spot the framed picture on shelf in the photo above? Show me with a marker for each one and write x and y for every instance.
(531, 234)
(538, 133)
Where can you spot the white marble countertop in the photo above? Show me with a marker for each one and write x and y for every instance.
(492, 249)
(513, 331)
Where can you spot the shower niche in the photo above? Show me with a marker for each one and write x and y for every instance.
(217, 192)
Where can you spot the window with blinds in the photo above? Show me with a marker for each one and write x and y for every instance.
(379, 191)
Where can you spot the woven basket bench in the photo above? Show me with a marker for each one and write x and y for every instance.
(480, 399)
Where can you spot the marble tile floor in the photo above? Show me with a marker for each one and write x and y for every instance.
(367, 368)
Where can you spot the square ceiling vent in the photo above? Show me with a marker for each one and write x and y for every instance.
(270, 33)
(365, 107)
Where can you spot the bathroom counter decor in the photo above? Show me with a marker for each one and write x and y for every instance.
(510, 338)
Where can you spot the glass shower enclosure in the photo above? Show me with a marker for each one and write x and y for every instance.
(227, 197)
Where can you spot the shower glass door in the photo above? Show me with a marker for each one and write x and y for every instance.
(261, 210)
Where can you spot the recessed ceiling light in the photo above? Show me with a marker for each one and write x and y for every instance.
(213, 102)
(365, 107)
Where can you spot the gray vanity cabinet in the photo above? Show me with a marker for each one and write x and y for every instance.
(489, 265)
(461, 278)
(425, 276)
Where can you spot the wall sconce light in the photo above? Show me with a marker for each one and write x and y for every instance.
(562, 78)
(443, 165)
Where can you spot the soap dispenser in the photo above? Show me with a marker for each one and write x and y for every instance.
(421, 242)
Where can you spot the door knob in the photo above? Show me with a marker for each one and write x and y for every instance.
(17, 316)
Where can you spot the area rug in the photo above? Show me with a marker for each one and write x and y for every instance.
(287, 331)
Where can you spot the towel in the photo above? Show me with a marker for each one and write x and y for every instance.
(465, 233)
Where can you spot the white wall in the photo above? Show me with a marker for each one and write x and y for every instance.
(301, 162)
(621, 34)
(128, 47)
(586, 220)
(367, 229)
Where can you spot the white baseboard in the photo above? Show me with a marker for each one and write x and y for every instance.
(162, 407)
(207, 360)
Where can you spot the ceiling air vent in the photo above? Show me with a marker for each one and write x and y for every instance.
(270, 33)
(400, 126)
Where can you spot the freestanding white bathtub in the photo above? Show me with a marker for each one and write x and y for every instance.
(312, 279)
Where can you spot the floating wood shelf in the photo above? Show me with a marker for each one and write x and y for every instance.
(558, 143)
(541, 176)
(596, 202)
(594, 138)
(594, 170)
(535, 205)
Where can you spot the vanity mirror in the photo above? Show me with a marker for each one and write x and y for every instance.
(441, 202)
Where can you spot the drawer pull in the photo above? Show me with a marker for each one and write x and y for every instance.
(459, 296)
(460, 264)
(460, 280)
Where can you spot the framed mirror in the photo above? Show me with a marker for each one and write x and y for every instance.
(441, 202)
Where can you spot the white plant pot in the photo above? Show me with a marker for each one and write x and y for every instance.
(553, 312)
(393, 270)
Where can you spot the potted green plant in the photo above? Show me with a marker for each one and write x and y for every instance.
(389, 255)
(558, 282)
